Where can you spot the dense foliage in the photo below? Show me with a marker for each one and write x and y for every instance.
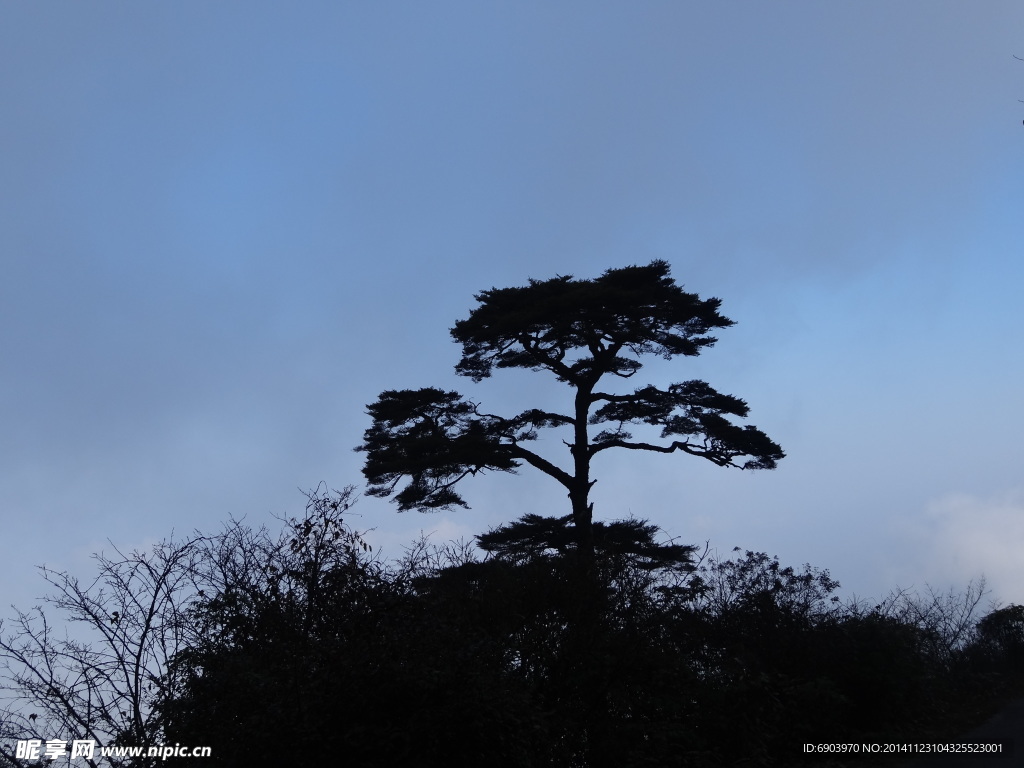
(302, 647)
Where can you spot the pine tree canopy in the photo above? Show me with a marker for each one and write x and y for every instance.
(581, 331)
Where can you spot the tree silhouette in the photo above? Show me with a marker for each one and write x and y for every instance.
(104, 681)
(581, 331)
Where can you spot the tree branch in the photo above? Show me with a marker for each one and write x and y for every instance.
(543, 465)
(718, 457)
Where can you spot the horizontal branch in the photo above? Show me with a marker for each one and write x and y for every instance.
(539, 418)
(717, 457)
(595, 396)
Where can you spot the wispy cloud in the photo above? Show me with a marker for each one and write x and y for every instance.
(963, 536)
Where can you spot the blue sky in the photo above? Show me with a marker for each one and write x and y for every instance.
(225, 228)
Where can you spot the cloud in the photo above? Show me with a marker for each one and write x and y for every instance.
(967, 536)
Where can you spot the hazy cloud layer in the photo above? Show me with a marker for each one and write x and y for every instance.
(226, 228)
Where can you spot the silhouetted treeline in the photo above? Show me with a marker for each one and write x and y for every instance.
(523, 657)
(303, 648)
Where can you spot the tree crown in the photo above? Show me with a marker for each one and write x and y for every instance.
(636, 309)
(580, 330)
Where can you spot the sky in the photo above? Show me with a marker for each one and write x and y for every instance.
(226, 227)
